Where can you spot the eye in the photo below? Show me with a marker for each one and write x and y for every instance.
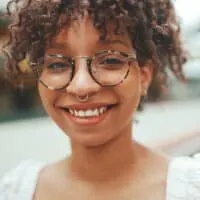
(111, 61)
(58, 67)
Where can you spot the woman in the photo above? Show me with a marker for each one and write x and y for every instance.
(95, 61)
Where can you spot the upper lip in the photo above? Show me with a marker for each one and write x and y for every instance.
(86, 106)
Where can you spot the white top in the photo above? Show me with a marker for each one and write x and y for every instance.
(183, 181)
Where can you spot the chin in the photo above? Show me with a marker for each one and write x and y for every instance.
(91, 140)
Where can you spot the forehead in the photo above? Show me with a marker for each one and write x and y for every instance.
(83, 33)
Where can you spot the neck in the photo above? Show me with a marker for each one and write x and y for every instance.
(105, 162)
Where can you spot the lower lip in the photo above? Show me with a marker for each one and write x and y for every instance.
(87, 121)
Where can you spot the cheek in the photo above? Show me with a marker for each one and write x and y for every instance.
(129, 94)
(131, 88)
(47, 97)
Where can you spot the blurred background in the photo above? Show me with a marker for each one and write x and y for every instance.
(172, 124)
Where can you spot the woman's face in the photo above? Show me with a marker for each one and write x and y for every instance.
(116, 106)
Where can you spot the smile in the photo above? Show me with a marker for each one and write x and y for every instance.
(87, 113)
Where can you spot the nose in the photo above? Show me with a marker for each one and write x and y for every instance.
(82, 83)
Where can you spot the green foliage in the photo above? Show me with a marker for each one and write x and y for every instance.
(4, 21)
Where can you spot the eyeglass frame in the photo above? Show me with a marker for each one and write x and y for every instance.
(36, 71)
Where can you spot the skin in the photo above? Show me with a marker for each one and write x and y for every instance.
(105, 162)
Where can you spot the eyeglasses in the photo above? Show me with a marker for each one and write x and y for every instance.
(107, 68)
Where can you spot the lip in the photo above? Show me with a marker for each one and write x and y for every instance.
(86, 106)
(87, 121)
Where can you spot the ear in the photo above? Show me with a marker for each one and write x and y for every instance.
(146, 73)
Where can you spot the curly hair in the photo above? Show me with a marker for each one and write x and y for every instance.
(151, 24)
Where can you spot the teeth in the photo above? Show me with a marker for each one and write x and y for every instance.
(76, 113)
(96, 112)
(101, 110)
(71, 112)
(81, 113)
(88, 113)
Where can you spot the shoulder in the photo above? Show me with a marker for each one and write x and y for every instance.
(184, 178)
(20, 182)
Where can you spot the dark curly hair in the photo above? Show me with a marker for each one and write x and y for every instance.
(151, 24)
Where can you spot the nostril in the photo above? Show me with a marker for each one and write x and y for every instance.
(82, 85)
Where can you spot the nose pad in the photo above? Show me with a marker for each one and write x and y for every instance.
(82, 82)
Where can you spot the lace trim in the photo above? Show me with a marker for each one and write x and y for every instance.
(20, 183)
(184, 179)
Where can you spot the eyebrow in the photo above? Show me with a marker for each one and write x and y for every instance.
(114, 41)
(60, 45)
